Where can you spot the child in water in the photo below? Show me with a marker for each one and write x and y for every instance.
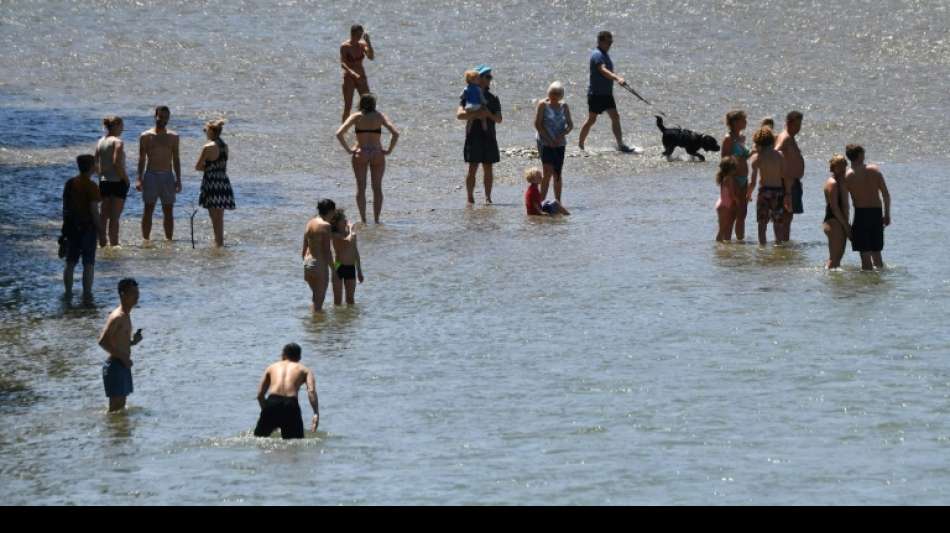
(730, 198)
(474, 99)
(346, 267)
(532, 196)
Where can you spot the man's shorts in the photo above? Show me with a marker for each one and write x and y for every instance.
(598, 103)
(797, 193)
(82, 242)
(158, 185)
(116, 378)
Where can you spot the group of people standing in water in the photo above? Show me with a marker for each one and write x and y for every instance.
(778, 164)
(329, 252)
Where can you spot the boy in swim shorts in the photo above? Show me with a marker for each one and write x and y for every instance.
(774, 192)
(347, 268)
(117, 340)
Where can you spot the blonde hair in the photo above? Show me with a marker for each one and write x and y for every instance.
(727, 167)
(734, 116)
(556, 87)
(836, 160)
(215, 126)
(471, 76)
(764, 137)
(530, 172)
(111, 122)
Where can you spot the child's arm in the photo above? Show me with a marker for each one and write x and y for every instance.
(754, 167)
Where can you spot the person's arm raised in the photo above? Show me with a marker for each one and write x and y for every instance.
(370, 53)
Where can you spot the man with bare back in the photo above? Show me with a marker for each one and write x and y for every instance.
(316, 253)
(774, 198)
(352, 53)
(867, 188)
(793, 171)
(280, 408)
(159, 172)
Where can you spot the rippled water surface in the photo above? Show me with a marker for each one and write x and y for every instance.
(618, 356)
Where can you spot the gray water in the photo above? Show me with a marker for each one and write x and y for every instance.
(618, 356)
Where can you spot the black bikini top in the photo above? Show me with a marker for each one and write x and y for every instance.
(377, 130)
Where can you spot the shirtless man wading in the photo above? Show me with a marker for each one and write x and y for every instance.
(158, 157)
(316, 253)
(793, 171)
(280, 408)
(117, 340)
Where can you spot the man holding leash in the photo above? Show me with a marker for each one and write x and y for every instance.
(600, 91)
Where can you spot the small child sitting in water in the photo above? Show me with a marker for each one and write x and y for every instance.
(532, 196)
(346, 266)
(474, 99)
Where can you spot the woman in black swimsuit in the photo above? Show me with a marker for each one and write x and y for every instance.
(836, 225)
(368, 153)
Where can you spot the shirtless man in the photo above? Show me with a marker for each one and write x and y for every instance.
(866, 186)
(794, 169)
(158, 156)
(117, 340)
(774, 199)
(280, 409)
(316, 253)
(352, 53)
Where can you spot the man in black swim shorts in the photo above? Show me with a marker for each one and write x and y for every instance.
(280, 410)
(600, 91)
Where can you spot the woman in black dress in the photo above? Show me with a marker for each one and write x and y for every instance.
(216, 193)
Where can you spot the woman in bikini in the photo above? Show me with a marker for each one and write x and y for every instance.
(352, 53)
(836, 226)
(733, 145)
(368, 153)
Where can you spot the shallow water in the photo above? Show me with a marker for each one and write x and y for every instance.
(619, 356)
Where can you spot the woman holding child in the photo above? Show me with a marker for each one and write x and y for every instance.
(553, 122)
(368, 153)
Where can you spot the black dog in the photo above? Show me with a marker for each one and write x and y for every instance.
(688, 139)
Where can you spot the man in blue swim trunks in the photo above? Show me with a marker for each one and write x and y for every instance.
(117, 340)
(600, 91)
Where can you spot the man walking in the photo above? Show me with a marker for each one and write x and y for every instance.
(600, 91)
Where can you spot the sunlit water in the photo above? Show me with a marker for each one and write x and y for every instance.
(618, 356)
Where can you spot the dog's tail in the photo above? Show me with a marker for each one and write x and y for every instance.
(659, 123)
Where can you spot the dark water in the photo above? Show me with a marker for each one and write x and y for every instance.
(616, 357)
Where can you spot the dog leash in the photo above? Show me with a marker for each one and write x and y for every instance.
(659, 111)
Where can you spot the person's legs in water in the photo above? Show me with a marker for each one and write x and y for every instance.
(488, 180)
(615, 126)
(147, 212)
(105, 214)
(547, 170)
(470, 181)
(585, 129)
(168, 220)
(377, 169)
(866, 263)
(742, 210)
(337, 284)
(350, 291)
(726, 220)
(116, 404)
(217, 223)
(876, 260)
(68, 276)
(318, 279)
(836, 243)
(360, 167)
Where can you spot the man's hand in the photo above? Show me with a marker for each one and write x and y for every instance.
(314, 423)
(178, 186)
(366, 37)
(887, 220)
(138, 184)
(620, 80)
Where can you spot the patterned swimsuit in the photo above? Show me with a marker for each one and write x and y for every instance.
(216, 192)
